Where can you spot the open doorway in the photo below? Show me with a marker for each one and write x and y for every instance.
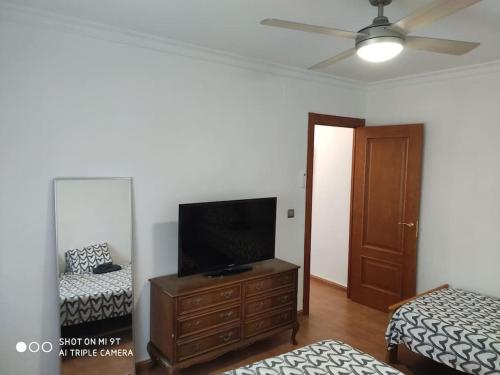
(383, 206)
(328, 200)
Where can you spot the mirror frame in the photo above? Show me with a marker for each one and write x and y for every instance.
(132, 245)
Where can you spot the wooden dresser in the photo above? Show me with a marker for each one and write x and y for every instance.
(195, 318)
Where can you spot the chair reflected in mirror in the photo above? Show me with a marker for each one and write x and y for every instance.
(94, 249)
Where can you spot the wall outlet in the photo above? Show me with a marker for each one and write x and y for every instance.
(290, 213)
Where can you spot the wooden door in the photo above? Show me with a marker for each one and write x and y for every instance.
(385, 211)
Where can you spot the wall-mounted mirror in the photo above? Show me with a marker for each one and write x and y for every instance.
(94, 249)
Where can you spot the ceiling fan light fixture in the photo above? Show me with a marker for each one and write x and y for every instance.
(383, 40)
(379, 49)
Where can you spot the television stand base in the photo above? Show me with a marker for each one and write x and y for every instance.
(229, 271)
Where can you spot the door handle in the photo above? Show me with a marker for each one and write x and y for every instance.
(409, 225)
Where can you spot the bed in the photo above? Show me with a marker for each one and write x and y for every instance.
(324, 357)
(458, 328)
(88, 297)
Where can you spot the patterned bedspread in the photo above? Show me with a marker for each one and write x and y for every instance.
(458, 328)
(322, 358)
(89, 297)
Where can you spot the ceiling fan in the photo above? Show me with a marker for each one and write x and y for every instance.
(383, 40)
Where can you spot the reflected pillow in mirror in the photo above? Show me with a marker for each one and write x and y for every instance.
(86, 259)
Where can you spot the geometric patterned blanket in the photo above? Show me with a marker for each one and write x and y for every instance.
(455, 327)
(89, 297)
(327, 357)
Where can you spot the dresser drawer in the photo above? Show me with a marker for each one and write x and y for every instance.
(208, 343)
(208, 299)
(269, 303)
(269, 283)
(210, 320)
(268, 322)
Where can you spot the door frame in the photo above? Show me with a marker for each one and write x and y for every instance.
(313, 120)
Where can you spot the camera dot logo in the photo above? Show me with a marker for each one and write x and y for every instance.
(34, 347)
(21, 346)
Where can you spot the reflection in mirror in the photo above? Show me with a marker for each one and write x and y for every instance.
(94, 250)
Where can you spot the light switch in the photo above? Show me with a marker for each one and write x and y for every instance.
(290, 213)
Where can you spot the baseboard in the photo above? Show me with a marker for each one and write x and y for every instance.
(329, 283)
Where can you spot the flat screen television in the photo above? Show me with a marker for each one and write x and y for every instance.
(221, 237)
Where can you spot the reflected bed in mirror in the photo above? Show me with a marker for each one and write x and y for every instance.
(94, 249)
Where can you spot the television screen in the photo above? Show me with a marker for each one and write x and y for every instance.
(218, 235)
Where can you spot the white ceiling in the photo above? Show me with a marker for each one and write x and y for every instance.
(233, 26)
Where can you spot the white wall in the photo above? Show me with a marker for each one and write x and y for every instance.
(192, 129)
(331, 203)
(460, 211)
(93, 211)
(186, 130)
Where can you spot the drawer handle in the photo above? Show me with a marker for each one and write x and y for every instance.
(226, 337)
(283, 299)
(196, 347)
(195, 302)
(227, 294)
(191, 324)
(260, 305)
(284, 316)
(260, 324)
(226, 315)
(259, 286)
(285, 279)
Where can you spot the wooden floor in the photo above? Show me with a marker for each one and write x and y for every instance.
(332, 316)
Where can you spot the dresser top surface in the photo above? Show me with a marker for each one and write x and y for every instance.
(176, 286)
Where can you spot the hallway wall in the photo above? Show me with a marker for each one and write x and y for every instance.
(331, 203)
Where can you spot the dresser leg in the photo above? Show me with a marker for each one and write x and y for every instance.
(295, 329)
(157, 358)
(392, 354)
(152, 354)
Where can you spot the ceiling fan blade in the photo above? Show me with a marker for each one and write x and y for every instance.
(431, 13)
(334, 59)
(309, 28)
(450, 47)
